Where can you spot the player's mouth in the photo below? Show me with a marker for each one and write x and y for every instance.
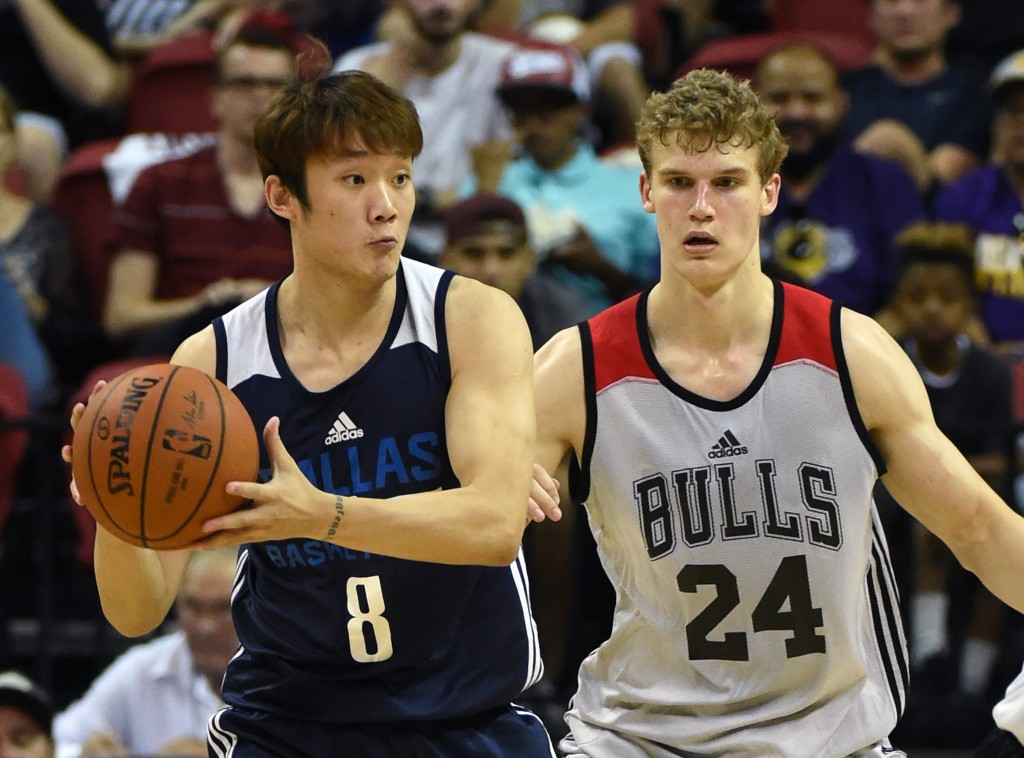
(699, 242)
(384, 242)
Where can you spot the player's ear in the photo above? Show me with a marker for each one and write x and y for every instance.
(645, 192)
(279, 198)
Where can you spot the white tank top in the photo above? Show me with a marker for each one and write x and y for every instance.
(756, 610)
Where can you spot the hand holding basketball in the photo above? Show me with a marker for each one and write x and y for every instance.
(153, 451)
(286, 506)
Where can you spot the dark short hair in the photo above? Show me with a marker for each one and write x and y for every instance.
(319, 117)
(939, 243)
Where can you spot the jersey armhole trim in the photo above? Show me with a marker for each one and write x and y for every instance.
(579, 464)
(441, 325)
(220, 336)
(835, 329)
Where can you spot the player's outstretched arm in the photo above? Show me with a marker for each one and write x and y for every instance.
(490, 431)
(926, 474)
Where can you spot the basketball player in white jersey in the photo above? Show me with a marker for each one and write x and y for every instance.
(725, 432)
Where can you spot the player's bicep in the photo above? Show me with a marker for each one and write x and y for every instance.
(925, 472)
(489, 413)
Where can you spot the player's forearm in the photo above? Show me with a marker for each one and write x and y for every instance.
(78, 64)
(467, 525)
(136, 586)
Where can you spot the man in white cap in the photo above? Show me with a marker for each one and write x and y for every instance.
(26, 716)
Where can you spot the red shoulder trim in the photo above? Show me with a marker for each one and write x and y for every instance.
(806, 328)
(616, 342)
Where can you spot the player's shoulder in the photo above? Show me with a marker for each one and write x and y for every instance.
(198, 351)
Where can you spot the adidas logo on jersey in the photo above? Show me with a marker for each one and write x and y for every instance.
(343, 430)
(727, 446)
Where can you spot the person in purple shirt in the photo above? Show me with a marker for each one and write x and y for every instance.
(991, 200)
(839, 210)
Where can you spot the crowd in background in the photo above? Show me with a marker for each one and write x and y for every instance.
(902, 197)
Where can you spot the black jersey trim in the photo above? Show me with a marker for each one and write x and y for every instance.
(843, 368)
(884, 612)
(441, 325)
(579, 465)
(774, 338)
(220, 338)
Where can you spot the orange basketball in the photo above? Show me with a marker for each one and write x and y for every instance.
(154, 449)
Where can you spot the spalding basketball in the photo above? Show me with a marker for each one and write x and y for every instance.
(154, 449)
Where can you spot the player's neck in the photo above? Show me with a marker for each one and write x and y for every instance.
(713, 318)
(328, 332)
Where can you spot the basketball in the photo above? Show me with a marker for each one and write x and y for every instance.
(154, 449)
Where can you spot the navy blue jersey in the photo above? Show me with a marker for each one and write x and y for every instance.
(341, 636)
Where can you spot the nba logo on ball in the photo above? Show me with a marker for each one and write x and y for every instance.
(154, 450)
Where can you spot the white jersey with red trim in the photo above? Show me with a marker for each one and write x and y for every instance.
(756, 611)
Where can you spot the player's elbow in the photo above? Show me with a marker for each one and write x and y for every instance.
(506, 537)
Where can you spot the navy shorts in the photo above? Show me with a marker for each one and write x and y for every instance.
(509, 732)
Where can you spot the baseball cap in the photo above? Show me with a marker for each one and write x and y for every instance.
(18, 691)
(1007, 71)
(556, 68)
(469, 216)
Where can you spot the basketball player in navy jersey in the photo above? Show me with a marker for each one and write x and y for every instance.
(725, 432)
(381, 600)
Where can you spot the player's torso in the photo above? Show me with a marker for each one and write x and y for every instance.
(306, 608)
(742, 539)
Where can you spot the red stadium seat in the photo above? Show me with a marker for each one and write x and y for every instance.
(172, 88)
(82, 197)
(739, 55)
(847, 17)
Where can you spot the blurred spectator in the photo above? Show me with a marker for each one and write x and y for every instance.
(970, 391)
(585, 218)
(911, 105)
(603, 32)
(449, 73)
(25, 718)
(194, 234)
(56, 59)
(158, 696)
(838, 209)
(989, 200)
(38, 265)
(487, 241)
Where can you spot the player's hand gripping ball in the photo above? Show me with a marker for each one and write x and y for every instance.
(154, 449)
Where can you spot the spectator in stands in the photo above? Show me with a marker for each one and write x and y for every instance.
(56, 59)
(449, 73)
(603, 32)
(487, 240)
(585, 221)
(839, 209)
(158, 696)
(970, 391)
(990, 200)
(911, 104)
(194, 234)
(25, 718)
(38, 265)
